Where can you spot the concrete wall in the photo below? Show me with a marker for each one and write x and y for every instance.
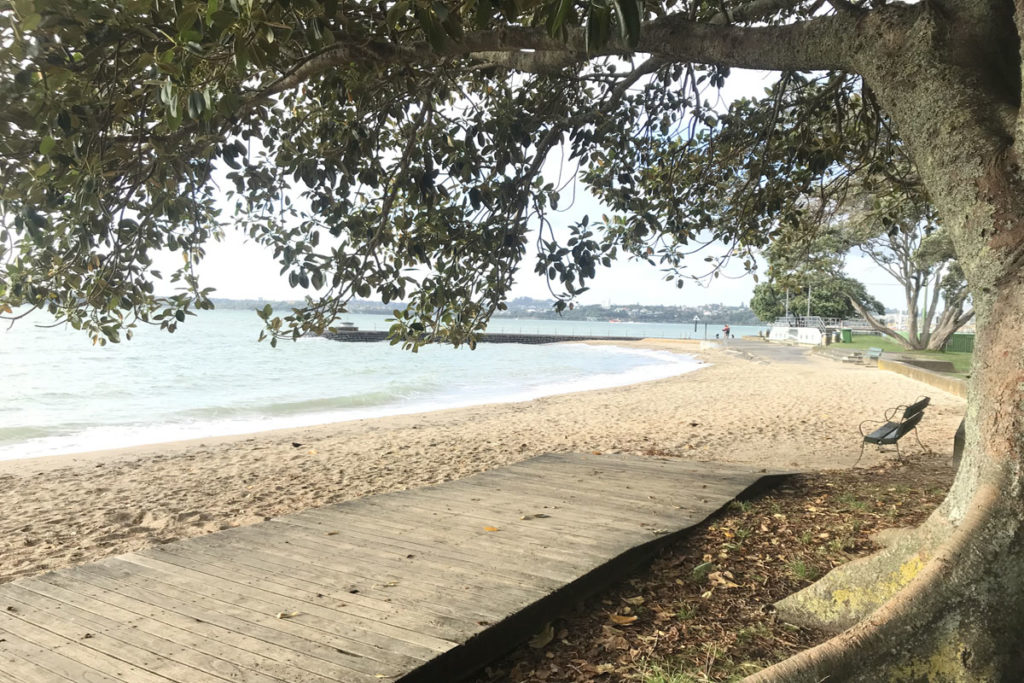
(954, 385)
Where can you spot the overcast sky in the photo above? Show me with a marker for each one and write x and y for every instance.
(241, 270)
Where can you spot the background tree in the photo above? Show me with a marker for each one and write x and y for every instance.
(397, 146)
(831, 297)
(904, 239)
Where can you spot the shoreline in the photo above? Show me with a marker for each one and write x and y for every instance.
(68, 509)
(54, 460)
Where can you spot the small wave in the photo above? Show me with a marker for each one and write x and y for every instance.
(24, 433)
(284, 408)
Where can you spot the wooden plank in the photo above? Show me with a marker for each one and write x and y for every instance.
(619, 484)
(656, 511)
(683, 471)
(429, 571)
(94, 626)
(379, 639)
(473, 536)
(257, 569)
(468, 516)
(584, 487)
(437, 574)
(64, 658)
(600, 518)
(162, 624)
(375, 654)
(591, 492)
(573, 522)
(25, 660)
(359, 575)
(321, 658)
(368, 531)
(291, 588)
(479, 545)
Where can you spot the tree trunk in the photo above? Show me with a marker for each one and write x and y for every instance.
(946, 601)
(949, 323)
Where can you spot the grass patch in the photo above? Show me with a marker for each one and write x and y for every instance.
(961, 361)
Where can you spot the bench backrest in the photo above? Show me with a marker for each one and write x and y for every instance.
(907, 424)
(916, 408)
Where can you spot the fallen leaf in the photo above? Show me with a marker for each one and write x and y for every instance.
(287, 615)
(638, 600)
(622, 619)
(491, 528)
(719, 579)
(543, 637)
(332, 533)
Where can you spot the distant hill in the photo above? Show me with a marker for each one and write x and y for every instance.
(525, 307)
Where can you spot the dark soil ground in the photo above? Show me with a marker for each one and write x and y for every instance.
(703, 609)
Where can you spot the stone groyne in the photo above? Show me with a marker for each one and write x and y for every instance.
(485, 338)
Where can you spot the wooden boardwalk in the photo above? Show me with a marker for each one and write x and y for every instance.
(419, 585)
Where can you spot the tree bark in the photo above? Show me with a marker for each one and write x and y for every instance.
(946, 603)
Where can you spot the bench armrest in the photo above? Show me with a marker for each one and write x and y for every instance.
(870, 422)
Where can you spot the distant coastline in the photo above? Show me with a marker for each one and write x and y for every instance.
(539, 309)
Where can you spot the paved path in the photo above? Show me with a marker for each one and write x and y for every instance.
(419, 585)
(770, 351)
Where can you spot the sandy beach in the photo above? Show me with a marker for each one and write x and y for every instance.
(64, 510)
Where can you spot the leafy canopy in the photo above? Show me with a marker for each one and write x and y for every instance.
(390, 147)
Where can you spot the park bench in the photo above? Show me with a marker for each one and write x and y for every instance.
(891, 429)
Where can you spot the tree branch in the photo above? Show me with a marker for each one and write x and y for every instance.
(887, 331)
(823, 43)
(820, 43)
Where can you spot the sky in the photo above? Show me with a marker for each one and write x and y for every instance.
(239, 269)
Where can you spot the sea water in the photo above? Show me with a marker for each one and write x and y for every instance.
(61, 394)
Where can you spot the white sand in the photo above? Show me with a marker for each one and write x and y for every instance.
(70, 509)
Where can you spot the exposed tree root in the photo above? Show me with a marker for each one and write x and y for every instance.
(947, 624)
(851, 592)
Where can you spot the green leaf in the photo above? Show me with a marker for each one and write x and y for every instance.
(432, 28)
(31, 22)
(557, 20)
(397, 13)
(46, 145)
(629, 15)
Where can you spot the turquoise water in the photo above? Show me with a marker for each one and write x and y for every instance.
(61, 394)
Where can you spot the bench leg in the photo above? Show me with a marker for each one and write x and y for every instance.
(918, 439)
(861, 453)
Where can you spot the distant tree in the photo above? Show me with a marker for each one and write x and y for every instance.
(900, 233)
(831, 297)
